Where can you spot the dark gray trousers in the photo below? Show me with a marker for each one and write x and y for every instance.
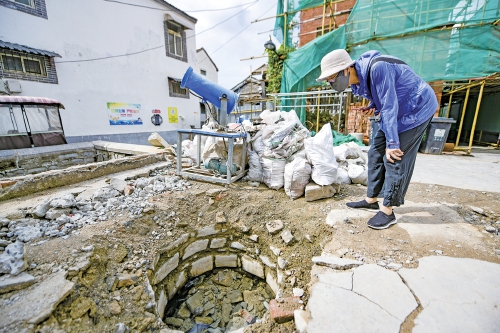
(391, 180)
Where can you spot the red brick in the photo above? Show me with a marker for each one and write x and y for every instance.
(7, 183)
(282, 309)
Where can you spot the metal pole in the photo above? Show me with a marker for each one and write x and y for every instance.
(324, 13)
(449, 102)
(317, 113)
(462, 117)
(475, 116)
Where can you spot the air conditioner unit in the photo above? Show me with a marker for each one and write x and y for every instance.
(3, 88)
(14, 86)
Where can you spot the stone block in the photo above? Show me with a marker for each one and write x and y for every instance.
(207, 231)
(181, 280)
(201, 266)
(266, 261)
(314, 191)
(195, 247)
(175, 244)
(217, 243)
(274, 226)
(271, 282)
(282, 310)
(252, 266)
(226, 261)
(162, 303)
(11, 282)
(238, 246)
(166, 268)
(77, 161)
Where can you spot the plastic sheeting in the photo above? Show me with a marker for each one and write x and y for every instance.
(439, 39)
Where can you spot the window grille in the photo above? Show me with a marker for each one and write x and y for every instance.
(22, 63)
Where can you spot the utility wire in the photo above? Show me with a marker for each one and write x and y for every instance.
(237, 34)
(187, 11)
(157, 47)
(230, 17)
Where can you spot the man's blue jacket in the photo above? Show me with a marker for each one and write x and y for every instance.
(403, 100)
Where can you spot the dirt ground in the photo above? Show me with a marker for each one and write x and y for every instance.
(120, 243)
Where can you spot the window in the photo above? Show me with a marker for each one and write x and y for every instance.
(175, 40)
(33, 7)
(203, 72)
(27, 66)
(24, 2)
(15, 63)
(175, 90)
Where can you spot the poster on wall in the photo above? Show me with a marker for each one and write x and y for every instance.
(173, 115)
(124, 114)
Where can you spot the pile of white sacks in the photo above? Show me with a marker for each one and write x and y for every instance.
(283, 154)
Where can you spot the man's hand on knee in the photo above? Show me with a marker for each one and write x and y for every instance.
(393, 154)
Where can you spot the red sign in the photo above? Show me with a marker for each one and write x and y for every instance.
(156, 111)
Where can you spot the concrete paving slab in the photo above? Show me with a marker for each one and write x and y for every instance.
(436, 222)
(457, 294)
(335, 309)
(385, 288)
(341, 280)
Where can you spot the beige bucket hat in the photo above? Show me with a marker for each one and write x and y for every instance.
(334, 62)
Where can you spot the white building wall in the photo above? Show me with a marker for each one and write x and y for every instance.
(204, 63)
(80, 30)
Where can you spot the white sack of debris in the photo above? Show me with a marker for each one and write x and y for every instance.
(297, 175)
(273, 172)
(319, 153)
(255, 172)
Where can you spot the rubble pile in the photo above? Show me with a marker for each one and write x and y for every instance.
(223, 301)
(282, 154)
(64, 215)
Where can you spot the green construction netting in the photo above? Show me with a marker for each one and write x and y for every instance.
(439, 39)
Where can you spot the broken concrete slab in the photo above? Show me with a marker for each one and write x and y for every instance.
(38, 302)
(457, 294)
(335, 262)
(10, 282)
(12, 259)
(337, 279)
(335, 309)
(385, 288)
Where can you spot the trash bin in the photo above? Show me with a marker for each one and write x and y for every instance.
(436, 135)
(374, 126)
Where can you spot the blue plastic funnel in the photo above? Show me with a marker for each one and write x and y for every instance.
(208, 90)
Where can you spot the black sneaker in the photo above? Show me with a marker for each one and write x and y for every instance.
(382, 221)
(372, 207)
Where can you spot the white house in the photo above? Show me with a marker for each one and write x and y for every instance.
(114, 65)
(208, 68)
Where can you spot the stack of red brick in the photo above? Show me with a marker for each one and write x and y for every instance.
(358, 122)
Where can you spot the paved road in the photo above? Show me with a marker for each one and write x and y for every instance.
(480, 172)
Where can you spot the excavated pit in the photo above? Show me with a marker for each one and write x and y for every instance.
(213, 277)
(224, 300)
